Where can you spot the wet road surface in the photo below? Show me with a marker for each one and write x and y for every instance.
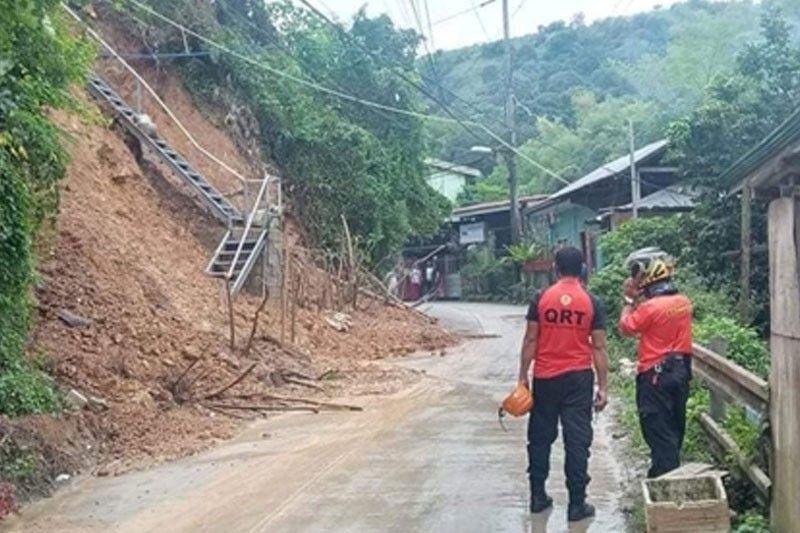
(431, 459)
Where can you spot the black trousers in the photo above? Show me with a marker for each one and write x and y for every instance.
(568, 397)
(661, 399)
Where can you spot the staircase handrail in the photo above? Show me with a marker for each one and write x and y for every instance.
(248, 225)
(208, 154)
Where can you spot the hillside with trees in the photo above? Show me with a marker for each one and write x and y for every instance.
(577, 85)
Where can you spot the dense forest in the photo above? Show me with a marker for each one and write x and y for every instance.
(577, 85)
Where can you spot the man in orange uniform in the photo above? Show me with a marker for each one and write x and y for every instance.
(662, 318)
(565, 338)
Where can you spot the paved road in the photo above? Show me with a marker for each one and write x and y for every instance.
(432, 459)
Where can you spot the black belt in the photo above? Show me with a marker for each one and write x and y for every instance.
(664, 364)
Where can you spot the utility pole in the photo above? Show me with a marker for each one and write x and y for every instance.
(510, 157)
(636, 192)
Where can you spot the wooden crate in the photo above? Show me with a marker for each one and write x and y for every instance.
(686, 504)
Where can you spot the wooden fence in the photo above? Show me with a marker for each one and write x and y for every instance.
(729, 383)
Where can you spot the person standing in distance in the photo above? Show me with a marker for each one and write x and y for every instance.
(662, 319)
(565, 338)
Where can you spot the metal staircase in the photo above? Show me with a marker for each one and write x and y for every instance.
(247, 238)
(244, 244)
(219, 206)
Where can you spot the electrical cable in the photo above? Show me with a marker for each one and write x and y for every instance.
(421, 89)
(342, 95)
(425, 38)
(465, 11)
(149, 89)
(288, 52)
(480, 20)
(399, 73)
(430, 25)
(157, 56)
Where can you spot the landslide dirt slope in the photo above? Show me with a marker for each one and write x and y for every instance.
(128, 254)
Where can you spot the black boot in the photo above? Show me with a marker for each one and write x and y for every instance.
(578, 511)
(540, 501)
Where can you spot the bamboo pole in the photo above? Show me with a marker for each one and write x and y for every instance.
(230, 314)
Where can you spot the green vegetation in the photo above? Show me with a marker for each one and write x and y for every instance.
(713, 311)
(338, 157)
(524, 252)
(751, 522)
(653, 68)
(39, 61)
(485, 277)
(598, 134)
(745, 346)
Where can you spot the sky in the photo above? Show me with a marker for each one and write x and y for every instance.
(482, 24)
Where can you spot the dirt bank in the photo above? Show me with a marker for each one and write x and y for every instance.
(128, 320)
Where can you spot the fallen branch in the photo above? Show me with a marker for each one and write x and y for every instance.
(184, 373)
(249, 345)
(232, 384)
(286, 348)
(226, 413)
(302, 383)
(197, 378)
(394, 301)
(298, 375)
(264, 407)
(336, 406)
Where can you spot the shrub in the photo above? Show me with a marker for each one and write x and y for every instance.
(664, 232)
(752, 523)
(745, 347)
(39, 60)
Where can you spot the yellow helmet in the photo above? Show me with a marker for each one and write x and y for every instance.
(650, 265)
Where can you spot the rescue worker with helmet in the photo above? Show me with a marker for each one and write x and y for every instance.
(565, 338)
(662, 319)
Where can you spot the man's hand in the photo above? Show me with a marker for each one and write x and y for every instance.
(600, 400)
(631, 289)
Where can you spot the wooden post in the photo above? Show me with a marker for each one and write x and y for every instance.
(784, 268)
(295, 297)
(286, 256)
(635, 192)
(230, 314)
(746, 255)
(511, 125)
(718, 406)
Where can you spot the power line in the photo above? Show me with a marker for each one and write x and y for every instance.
(288, 52)
(430, 25)
(398, 73)
(156, 55)
(149, 89)
(425, 38)
(480, 20)
(342, 95)
(465, 11)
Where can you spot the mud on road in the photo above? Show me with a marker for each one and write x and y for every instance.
(432, 458)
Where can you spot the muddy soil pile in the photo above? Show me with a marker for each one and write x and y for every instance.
(128, 320)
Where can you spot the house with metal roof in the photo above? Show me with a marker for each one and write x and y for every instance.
(490, 222)
(449, 179)
(573, 215)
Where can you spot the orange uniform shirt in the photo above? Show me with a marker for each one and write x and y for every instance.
(567, 314)
(664, 326)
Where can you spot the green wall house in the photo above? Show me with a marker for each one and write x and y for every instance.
(449, 179)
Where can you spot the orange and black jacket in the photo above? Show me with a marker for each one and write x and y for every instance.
(664, 327)
(567, 314)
